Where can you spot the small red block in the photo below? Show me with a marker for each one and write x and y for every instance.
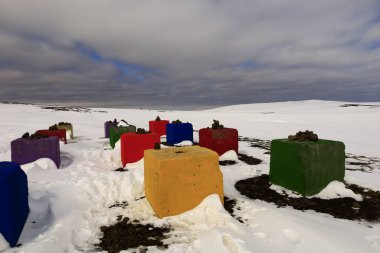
(133, 146)
(219, 140)
(60, 133)
(158, 126)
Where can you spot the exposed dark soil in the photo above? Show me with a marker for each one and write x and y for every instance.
(123, 204)
(343, 208)
(357, 105)
(257, 143)
(142, 131)
(121, 170)
(229, 205)
(250, 160)
(128, 234)
(216, 125)
(362, 163)
(64, 124)
(53, 127)
(15, 103)
(303, 136)
(227, 162)
(67, 108)
(35, 136)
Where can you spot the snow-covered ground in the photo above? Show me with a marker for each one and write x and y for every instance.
(69, 205)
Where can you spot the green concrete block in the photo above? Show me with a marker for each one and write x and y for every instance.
(306, 167)
(68, 128)
(116, 132)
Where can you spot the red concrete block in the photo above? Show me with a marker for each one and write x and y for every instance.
(60, 133)
(133, 146)
(219, 140)
(158, 126)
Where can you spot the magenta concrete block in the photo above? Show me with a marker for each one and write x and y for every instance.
(26, 151)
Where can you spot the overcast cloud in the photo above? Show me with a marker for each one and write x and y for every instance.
(188, 53)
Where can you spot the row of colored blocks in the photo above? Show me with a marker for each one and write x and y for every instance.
(177, 179)
(28, 150)
(175, 133)
(133, 144)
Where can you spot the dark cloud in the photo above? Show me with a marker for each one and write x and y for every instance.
(188, 53)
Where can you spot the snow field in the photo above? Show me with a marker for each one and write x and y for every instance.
(69, 205)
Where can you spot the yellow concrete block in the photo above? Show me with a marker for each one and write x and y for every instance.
(68, 128)
(178, 179)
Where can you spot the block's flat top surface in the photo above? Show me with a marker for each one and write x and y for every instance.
(52, 131)
(48, 139)
(130, 135)
(216, 130)
(319, 142)
(159, 121)
(181, 152)
(180, 124)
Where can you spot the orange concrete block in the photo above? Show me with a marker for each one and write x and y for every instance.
(178, 179)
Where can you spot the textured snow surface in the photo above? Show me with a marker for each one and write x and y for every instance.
(3, 243)
(184, 143)
(229, 156)
(70, 204)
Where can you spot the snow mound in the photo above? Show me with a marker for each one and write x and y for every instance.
(40, 164)
(337, 189)
(209, 213)
(333, 190)
(229, 156)
(3, 243)
(184, 143)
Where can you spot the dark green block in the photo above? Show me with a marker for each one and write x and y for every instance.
(116, 132)
(306, 167)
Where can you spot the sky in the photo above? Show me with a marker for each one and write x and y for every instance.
(188, 54)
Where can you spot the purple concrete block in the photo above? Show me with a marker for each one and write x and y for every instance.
(27, 151)
(107, 126)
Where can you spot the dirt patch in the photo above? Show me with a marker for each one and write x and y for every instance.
(361, 163)
(67, 108)
(121, 170)
(358, 105)
(250, 160)
(256, 143)
(127, 234)
(53, 127)
(304, 136)
(216, 125)
(227, 162)
(142, 131)
(343, 208)
(123, 204)
(35, 136)
(229, 205)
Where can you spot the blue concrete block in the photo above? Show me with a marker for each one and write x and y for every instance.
(176, 133)
(14, 207)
